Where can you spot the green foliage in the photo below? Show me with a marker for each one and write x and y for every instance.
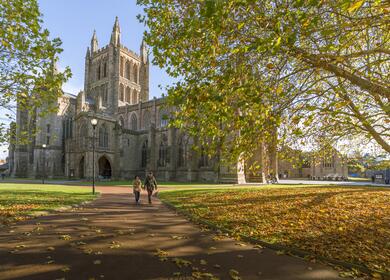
(28, 78)
(312, 69)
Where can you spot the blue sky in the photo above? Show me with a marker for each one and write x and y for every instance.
(74, 21)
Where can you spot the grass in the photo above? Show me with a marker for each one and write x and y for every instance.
(339, 222)
(18, 201)
(359, 179)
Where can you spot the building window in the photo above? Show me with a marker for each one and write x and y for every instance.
(122, 66)
(122, 93)
(135, 73)
(105, 69)
(103, 136)
(127, 70)
(328, 162)
(146, 122)
(163, 153)
(134, 101)
(104, 94)
(134, 122)
(163, 118)
(98, 72)
(204, 158)
(182, 153)
(144, 154)
(128, 95)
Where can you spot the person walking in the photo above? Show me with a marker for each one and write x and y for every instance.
(150, 185)
(137, 185)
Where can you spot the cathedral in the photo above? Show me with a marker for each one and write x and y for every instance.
(130, 138)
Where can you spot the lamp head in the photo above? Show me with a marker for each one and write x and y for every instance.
(44, 146)
(94, 122)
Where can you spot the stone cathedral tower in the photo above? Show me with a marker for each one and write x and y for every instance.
(114, 75)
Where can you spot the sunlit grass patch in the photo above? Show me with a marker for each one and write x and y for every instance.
(17, 201)
(344, 223)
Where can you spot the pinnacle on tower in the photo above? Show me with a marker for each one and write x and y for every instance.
(88, 54)
(144, 52)
(116, 33)
(94, 42)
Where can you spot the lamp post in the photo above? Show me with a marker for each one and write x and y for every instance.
(93, 123)
(44, 163)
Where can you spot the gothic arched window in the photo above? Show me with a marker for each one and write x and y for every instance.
(105, 69)
(103, 136)
(162, 153)
(127, 95)
(144, 153)
(98, 71)
(163, 118)
(135, 73)
(127, 70)
(122, 66)
(134, 99)
(133, 122)
(122, 93)
(146, 120)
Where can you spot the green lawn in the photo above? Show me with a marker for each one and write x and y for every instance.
(339, 222)
(18, 201)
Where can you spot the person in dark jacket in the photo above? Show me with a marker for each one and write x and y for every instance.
(150, 185)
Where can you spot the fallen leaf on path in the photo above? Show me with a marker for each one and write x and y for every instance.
(65, 269)
(181, 262)
(65, 237)
(203, 262)
(97, 262)
(50, 248)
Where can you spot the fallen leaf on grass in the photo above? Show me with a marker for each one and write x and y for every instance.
(65, 269)
(217, 266)
(203, 262)
(97, 262)
(50, 261)
(234, 274)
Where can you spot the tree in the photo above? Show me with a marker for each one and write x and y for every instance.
(311, 69)
(28, 78)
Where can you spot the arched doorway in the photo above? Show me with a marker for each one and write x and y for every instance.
(81, 168)
(104, 168)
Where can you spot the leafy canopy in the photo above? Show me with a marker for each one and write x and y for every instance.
(312, 69)
(28, 77)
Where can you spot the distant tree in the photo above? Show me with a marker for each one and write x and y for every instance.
(28, 78)
(308, 69)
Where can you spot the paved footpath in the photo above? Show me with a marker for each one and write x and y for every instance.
(112, 238)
